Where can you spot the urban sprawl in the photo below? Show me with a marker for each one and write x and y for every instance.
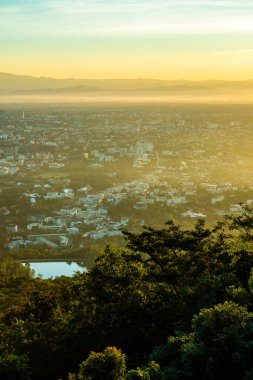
(72, 176)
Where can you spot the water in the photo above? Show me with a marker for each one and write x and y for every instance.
(61, 268)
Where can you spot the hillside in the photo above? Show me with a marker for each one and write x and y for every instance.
(11, 84)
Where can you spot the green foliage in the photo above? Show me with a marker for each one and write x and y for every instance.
(150, 372)
(242, 223)
(13, 367)
(11, 269)
(107, 365)
(14, 279)
(138, 374)
(220, 346)
(194, 286)
(72, 376)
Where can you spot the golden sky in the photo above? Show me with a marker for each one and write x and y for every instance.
(180, 39)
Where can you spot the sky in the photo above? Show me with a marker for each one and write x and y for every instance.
(164, 39)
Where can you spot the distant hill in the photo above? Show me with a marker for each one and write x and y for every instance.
(58, 91)
(11, 84)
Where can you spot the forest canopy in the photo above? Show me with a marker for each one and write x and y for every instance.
(173, 304)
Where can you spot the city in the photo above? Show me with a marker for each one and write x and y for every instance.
(72, 177)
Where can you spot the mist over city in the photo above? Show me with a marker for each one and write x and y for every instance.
(126, 190)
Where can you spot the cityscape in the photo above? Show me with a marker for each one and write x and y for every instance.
(74, 176)
(126, 190)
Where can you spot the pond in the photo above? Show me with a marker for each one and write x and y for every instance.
(47, 270)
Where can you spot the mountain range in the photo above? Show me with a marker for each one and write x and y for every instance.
(11, 84)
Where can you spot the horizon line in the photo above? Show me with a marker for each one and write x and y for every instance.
(126, 78)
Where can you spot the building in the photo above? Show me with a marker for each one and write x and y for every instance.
(12, 228)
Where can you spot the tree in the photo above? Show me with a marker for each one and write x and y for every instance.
(197, 282)
(150, 372)
(243, 222)
(114, 298)
(13, 367)
(107, 365)
(11, 269)
(220, 346)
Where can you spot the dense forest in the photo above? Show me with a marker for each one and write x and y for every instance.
(174, 304)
